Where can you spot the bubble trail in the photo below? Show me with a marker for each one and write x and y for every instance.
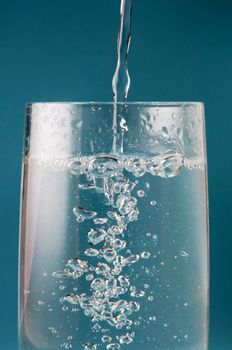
(110, 296)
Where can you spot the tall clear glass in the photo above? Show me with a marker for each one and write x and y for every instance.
(114, 246)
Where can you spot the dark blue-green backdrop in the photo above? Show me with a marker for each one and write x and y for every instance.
(66, 50)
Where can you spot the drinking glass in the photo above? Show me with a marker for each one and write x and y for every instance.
(114, 244)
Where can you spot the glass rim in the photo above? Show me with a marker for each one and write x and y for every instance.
(126, 103)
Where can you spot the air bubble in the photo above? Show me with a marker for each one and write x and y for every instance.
(52, 330)
(140, 193)
(109, 254)
(106, 339)
(118, 244)
(90, 346)
(136, 166)
(96, 108)
(76, 167)
(184, 254)
(124, 281)
(100, 221)
(104, 166)
(113, 346)
(61, 274)
(131, 259)
(83, 214)
(145, 255)
(96, 235)
(125, 339)
(78, 265)
(89, 277)
(152, 318)
(102, 269)
(126, 204)
(98, 284)
(115, 230)
(137, 294)
(91, 252)
(72, 299)
(87, 186)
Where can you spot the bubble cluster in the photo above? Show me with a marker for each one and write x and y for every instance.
(111, 298)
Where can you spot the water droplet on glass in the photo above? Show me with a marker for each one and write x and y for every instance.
(165, 131)
(171, 165)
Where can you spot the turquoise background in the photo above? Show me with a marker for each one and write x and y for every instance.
(66, 50)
